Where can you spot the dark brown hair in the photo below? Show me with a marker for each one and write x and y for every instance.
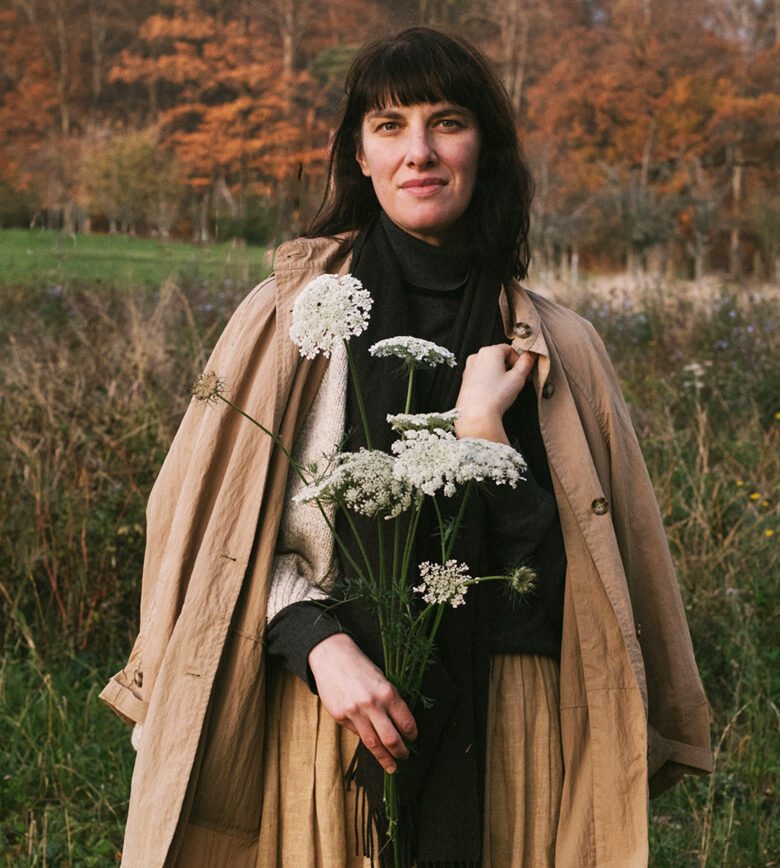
(423, 65)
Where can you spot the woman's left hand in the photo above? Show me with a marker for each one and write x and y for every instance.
(491, 382)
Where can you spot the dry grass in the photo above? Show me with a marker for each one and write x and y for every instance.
(92, 384)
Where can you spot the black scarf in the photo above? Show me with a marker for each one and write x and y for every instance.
(442, 783)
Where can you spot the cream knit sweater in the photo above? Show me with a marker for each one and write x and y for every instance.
(306, 565)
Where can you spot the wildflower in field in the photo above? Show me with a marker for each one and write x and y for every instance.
(769, 532)
(363, 482)
(740, 483)
(694, 375)
(432, 461)
(402, 422)
(208, 387)
(414, 351)
(329, 309)
(754, 495)
(444, 583)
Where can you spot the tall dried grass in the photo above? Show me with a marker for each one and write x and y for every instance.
(92, 384)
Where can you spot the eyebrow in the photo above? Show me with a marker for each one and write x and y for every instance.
(394, 112)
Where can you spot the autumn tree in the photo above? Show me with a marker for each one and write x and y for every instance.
(129, 179)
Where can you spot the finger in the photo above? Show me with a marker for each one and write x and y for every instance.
(370, 738)
(391, 738)
(524, 357)
(403, 719)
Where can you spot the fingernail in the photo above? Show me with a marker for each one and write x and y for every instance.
(390, 770)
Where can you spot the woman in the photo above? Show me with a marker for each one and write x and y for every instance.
(551, 720)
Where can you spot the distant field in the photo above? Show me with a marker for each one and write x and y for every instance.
(44, 258)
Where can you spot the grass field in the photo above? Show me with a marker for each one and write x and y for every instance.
(94, 375)
(46, 258)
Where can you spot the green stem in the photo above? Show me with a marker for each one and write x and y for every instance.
(356, 384)
(459, 518)
(392, 815)
(340, 542)
(293, 463)
(441, 530)
(359, 542)
(408, 405)
(410, 535)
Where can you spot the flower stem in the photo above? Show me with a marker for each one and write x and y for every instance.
(356, 384)
(408, 405)
(458, 519)
(293, 463)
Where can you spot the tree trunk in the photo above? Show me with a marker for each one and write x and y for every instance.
(735, 264)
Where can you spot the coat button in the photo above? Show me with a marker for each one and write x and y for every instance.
(522, 330)
(548, 389)
(600, 506)
(138, 677)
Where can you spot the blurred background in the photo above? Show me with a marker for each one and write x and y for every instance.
(153, 153)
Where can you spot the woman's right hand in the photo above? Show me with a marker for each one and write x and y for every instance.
(358, 696)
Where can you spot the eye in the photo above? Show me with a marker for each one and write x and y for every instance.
(450, 123)
(388, 126)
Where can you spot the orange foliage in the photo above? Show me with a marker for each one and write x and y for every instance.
(665, 111)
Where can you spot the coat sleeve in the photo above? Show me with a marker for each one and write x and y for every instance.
(678, 715)
(128, 692)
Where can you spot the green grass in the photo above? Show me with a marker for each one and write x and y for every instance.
(65, 773)
(94, 378)
(44, 258)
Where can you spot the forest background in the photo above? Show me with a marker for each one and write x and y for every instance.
(650, 125)
(151, 155)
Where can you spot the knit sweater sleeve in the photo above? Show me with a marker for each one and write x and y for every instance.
(306, 565)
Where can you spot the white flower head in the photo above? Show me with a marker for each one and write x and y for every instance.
(363, 482)
(414, 351)
(329, 309)
(428, 460)
(444, 583)
(695, 375)
(432, 461)
(403, 422)
(483, 459)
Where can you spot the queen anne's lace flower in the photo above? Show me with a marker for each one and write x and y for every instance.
(363, 482)
(414, 351)
(329, 309)
(428, 460)
(522, 580)
(403, 422)
(436, 460)
(483, 459)
(444, 583)
(208, 387)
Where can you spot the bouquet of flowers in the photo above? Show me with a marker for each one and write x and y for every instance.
(427, 460)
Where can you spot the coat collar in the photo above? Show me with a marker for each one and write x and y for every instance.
(523, 327)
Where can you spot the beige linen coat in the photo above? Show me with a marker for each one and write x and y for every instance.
(632, 706)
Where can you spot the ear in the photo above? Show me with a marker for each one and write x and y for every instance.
(362, 162)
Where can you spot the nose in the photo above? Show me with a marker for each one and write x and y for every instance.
(420, 149)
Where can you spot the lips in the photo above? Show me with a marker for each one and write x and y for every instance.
(423, 182)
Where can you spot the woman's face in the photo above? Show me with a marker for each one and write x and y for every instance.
(422, 160)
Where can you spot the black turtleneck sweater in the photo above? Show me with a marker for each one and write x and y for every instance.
(434, 279)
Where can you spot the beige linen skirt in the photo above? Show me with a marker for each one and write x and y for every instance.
(309, 818)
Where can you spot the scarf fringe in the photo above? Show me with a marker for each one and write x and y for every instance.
(371, 824)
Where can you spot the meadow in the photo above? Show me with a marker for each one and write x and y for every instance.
(100, 339)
